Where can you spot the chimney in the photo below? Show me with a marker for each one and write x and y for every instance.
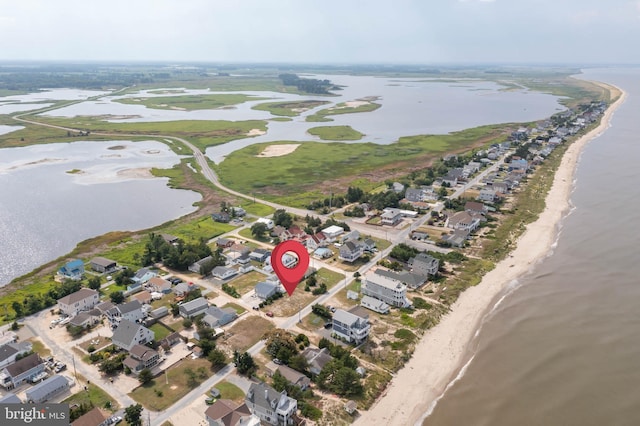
(266, 394)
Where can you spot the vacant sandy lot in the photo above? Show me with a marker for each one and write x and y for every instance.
(278, 150)
(256, 132)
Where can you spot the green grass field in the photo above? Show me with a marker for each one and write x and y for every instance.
(289, 108)
(191, 102)
(94, 395)
(230, 391)
(342, 108)
(336, 133)
(301, 176)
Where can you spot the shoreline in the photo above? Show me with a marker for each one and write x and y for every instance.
(443, 351)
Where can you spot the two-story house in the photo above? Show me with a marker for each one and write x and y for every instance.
(131, 311)
(103, 265)
(141, 357)
(142, 275)
(389, 290)
(128, 334)
(350, 251)
(271, 406)
(194, 307)
(72, 270)
(225, 412)
(82, 300)
(10, 351)
(463, 220)
(391, 216)
(217, 317)
(24, 369)
(424, 264)
(354, 328)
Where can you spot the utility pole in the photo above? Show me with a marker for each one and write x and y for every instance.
(75, 373)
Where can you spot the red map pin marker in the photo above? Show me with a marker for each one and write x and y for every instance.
(290, 277)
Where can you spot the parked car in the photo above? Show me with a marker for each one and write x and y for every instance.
(270, 314)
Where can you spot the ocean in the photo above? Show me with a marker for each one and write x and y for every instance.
(563, 347)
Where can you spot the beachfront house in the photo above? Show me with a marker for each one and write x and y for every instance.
(271, 406)
(389, 290)
(352, 326)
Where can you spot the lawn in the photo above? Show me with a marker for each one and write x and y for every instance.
(230, 391)
(239, 309)
(246, 233)
(247, 282)
(305, 174)
(257, 208)
(178, 387)
(246, 333)
(39, 347)
(94, 395)
(336, 133)
(161, 331)
(191, 102)
(289, 108)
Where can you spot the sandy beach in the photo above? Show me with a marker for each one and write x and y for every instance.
(444, 350)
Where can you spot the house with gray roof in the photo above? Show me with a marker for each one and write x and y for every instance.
(265, 289)
(375, 305)
(424, 264)
(351, 327)
(391, 216)
(259, 255)
(47, 389)
(143, 275)
(102, 264)
(223, 273)
(411, 280)
(294, 377)
(199, 267)
(86, 319)
(225, 412)
(350, 251)
(82, 300)
(24, 369)
(162, 311)
(458, 238)
(389, 290)
(131, 311)
(217, 317)
(194, 307)
(141, 357)
(272, 407)
(10, 351)
(10, 398)
(316, 359)
(128, 334)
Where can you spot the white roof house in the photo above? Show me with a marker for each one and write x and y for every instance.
(332, 231)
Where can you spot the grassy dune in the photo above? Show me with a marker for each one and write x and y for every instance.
(336, 133)
(288, 109)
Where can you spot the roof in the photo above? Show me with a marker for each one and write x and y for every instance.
(349, 245)
(264, 395)
(373, 302)
(293, 376)
(227, 412)
(317, 358)
(359, 311)
(159, 281)
(195, 305)
(333, 229)
(143, 296)
(91, 418)
(134, 305)
(345, 317)
(126, 331)
(42, 389)
(79, 319)
(424, 258)
(24, 364)
(104, 306)
(10, 398)
(221, 270)
(7, 351)
(265, 287)
(103, 261)
(219, 313)
(142, 352)
(474, 205)
(384, 281)
(83, 293)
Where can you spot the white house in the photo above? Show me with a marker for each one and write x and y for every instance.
(375, 305)
(271, 406)
(82, 300)
(332, 232)
(268, 222)
(463, 220)
(350, 251)
(389, 290)
(223, 273)
(391, 216)
(350, 326)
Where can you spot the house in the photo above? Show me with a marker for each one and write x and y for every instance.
(350, 236)
(171, 340)
(82, 300)
(368, 245)
(160, 285)
(389, 290)
(104, 307)
(410, 279)
(475, 207)
(488, 195)
(424, 264)
(243, 259)
(350, 406)
(391, 217)
(271, 406)
(10, 351)
(143, 275)
(520, 164)
(47, 389)
(222, 217)
(162, 311)
(294, 377)
(131, 311)
(128, 334)
(350, 251)
(200, 267)
(453, 177)
(316, 359)
(259, 255)
(322, 253)
(170, 239)
(144, 297)
(223, 273)
(225, 412)
(294, 232)
(194, 307)
(332, 232)
(397, 187)
(375, 305)
(182, 289)
(319, 239)
(265, 290)
(217, 317)
(351, 327)
(413, 194)
(500, 187)
(141, 357)
(102, 265)
(94, 417)
(238, 211)
(13, 375)
(224, 243)
(268, 222)
(10, 398)
(463, 220)
(458, 238)
(72, 270)
(86, 319)
(277, 231)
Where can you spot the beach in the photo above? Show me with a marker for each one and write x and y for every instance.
(444, 350)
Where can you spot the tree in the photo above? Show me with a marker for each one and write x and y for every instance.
(282, 218)
(217, 358)
(133, 415)
(117, 297)
(188, 322)
(123, 276)
(244, 363)
(280, 344)
(346, 382)
(145, 376)
(94, 283)
(17, 308)
(258, 230)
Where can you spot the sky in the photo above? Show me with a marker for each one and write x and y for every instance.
(323, 31)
